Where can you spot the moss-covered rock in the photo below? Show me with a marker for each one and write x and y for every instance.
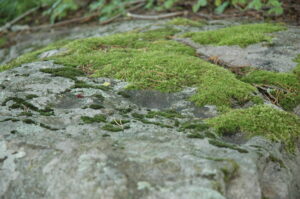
(242, 35)
(95, 119)
(287, 90)
(149, 60)
(260, 120)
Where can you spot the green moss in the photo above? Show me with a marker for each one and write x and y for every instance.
(47, 111)
(29, 121)
(226, 145)
(99, 97)
(260, 120)
(148, 60)
(288, 94)
(242, 35)
(277, 160)
(171, 114)
(124, 110)
(231, 171)
(195, 135)
(82, 84)
(25, 114)
(194, 125)
(67, 72)
(185, 22)
(114, 128)
(10, 119)
(97, 118)
(124, 94)
(31, 96)
(95, 106)
(14, 132)
(48, 127)
(138, 116)
(21, 104)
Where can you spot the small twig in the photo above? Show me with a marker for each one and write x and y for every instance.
(263, 89)
(162, 16)
(119, 123)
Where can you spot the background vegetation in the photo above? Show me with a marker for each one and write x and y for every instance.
(57, 9)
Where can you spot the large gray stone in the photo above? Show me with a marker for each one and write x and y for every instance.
(60, 156)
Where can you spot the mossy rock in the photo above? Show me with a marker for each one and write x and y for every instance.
(149, 60)
(260, 120)
(242, 35)
(288, 86)
(96, 119)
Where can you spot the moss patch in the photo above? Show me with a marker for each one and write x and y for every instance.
(194, 125)
(171, 114)
(195, 135)
(148, 60)
(288, 92)
(260, 120)
(242, 35)
(297, 69)
(96, 118)
(185, 22)
(31, 96)
(96, 106)
(82, 84)
(22, 104)
(67, 72)
(227, 145)
(29, 121)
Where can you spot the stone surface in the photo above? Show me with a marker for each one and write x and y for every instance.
(60, 156)
(277, 57)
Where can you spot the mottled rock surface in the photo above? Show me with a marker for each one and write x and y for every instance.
(105, 142)
(58, 155)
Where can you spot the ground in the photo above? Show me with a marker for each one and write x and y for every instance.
(107, 89)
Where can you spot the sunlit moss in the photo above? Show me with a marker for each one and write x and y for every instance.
(242, 35)
(148, 60)
(286, 90)
(260, 120)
